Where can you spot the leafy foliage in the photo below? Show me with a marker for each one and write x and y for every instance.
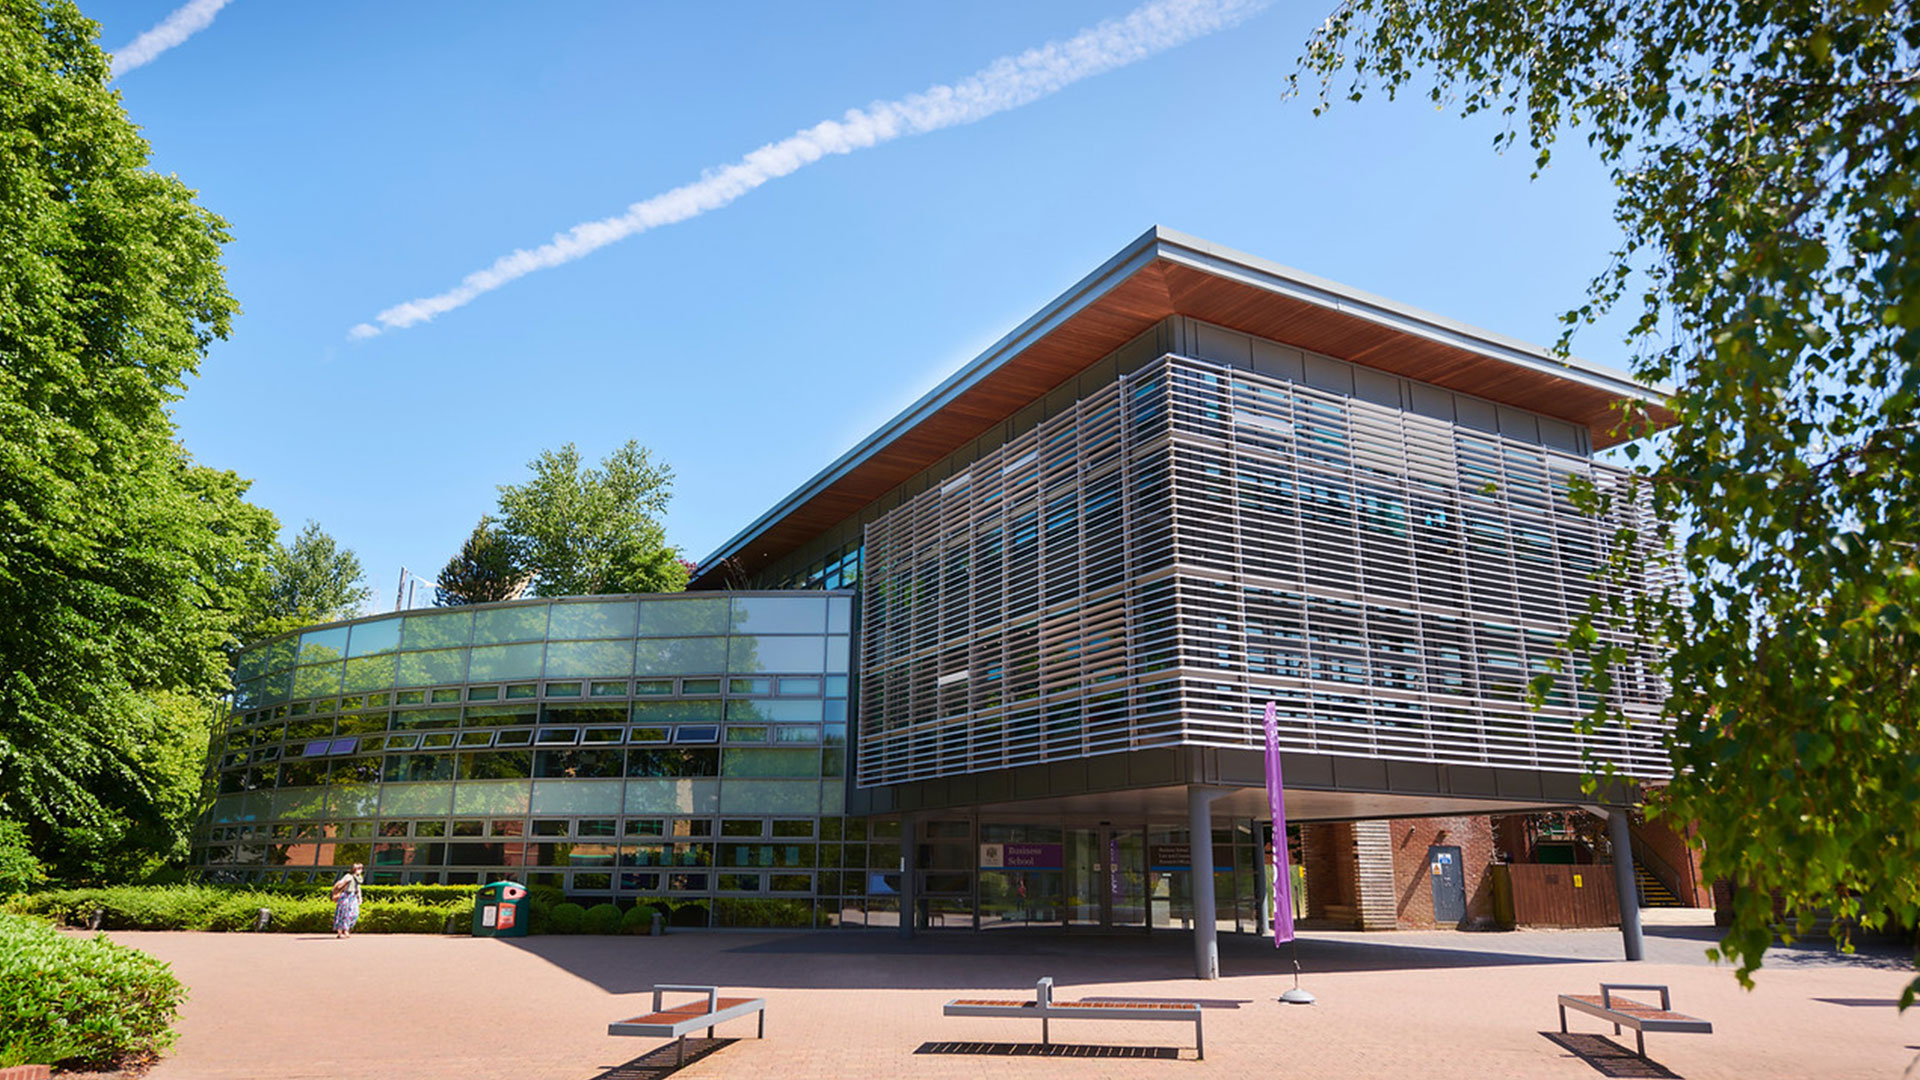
(312, 580)
(586, 530)
(484, 570)
(19, 870)
(602, 919)
(385, 910)
(123, 565)
(1766, 157)
(567, 918)
(81, 1003)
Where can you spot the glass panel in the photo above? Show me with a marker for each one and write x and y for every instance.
(839, 614)
(747, 655)
(371, 672)
(427, 668)
(770, 763)
(800, 687)
(667, 712)
(680, 656)
(589, 658)
(770, 796)
(837, 653)
(577, 796)
(524, 622)
(673, 763)
(661, 687)
(373, 638)
(437, 631)
(506, 662)
(497, 797)
(318, 680)
(321, 645)
(505, 765)
(780, 614)
(608, 689)
(501, 715)
(788, 712)
(598, 619)
(672, 618)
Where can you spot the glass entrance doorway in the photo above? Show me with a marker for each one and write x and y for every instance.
(1106, 877)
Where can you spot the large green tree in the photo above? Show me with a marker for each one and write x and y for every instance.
(482, 571)
(314, 579)
(122, 564)
(583, 530)
(1765, 156)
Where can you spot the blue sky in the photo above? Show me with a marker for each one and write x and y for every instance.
(368, 154)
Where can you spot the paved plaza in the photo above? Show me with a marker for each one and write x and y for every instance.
(851, 1004)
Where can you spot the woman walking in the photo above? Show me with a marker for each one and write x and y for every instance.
(346, 902)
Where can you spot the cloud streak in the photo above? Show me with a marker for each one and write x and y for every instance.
(186, 21)
(1007, 83)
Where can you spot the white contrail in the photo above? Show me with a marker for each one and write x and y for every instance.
(190, 19)
(1007, 83)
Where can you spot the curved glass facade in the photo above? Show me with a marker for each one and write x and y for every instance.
(688, 746)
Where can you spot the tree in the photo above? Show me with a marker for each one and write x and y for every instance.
(124, 567)
(482, 572)
(1765, 156)
(312, 580)
(583, 531)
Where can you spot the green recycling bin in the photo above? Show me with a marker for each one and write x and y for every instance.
(500, 910)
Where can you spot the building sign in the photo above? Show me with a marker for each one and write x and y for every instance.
(1166, 858)
(1020, 857)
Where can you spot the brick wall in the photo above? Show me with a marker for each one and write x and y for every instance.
(1670, 845)
(1326, 857)
(1413, 887)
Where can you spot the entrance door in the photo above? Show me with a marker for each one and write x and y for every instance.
(1106, 878)
(1449, 878)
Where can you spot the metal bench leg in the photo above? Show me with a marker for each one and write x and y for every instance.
(763, 1024)
(1640, 1041)
(1199, 1042)
(1616, 1029)
(1044, 1035)
(709, 1033)
(1563, 1019)
(681, 1060)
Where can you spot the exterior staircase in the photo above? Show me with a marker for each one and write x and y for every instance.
(1653, 892)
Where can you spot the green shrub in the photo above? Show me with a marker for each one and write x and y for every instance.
(603, 919)
(19, 870)
(637, 920)
(567, 918)
(80, 1003)
(210, 907)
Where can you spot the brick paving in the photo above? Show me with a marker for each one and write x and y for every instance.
(839, 1005)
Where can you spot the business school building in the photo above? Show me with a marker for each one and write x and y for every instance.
(1003, 663)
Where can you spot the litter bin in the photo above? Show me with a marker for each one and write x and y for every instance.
(500, 910)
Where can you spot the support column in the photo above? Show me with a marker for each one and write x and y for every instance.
(1620, 832)
(909, 887)
(1206, 943)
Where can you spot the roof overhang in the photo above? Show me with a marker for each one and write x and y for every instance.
(1169, 273)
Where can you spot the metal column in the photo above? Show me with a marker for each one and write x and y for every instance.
(909, 890)
(1620, 832)
(1206, 943)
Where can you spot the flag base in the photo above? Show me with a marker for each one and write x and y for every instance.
(1297, 996)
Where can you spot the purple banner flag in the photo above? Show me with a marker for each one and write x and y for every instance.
(1282, 862)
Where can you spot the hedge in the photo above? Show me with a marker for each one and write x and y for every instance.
(208, 907)
(81, 1003)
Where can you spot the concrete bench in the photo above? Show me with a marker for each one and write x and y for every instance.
(1046, 1010)
(1626, 1012)
(675, 1023)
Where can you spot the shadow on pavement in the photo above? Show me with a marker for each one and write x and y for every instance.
(987, 1049)
(1609, 1058)
(857, 960)
(665, 1061)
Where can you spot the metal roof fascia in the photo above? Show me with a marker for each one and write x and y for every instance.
(1300, 285)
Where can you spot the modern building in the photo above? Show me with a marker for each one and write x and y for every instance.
(1043, 610)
